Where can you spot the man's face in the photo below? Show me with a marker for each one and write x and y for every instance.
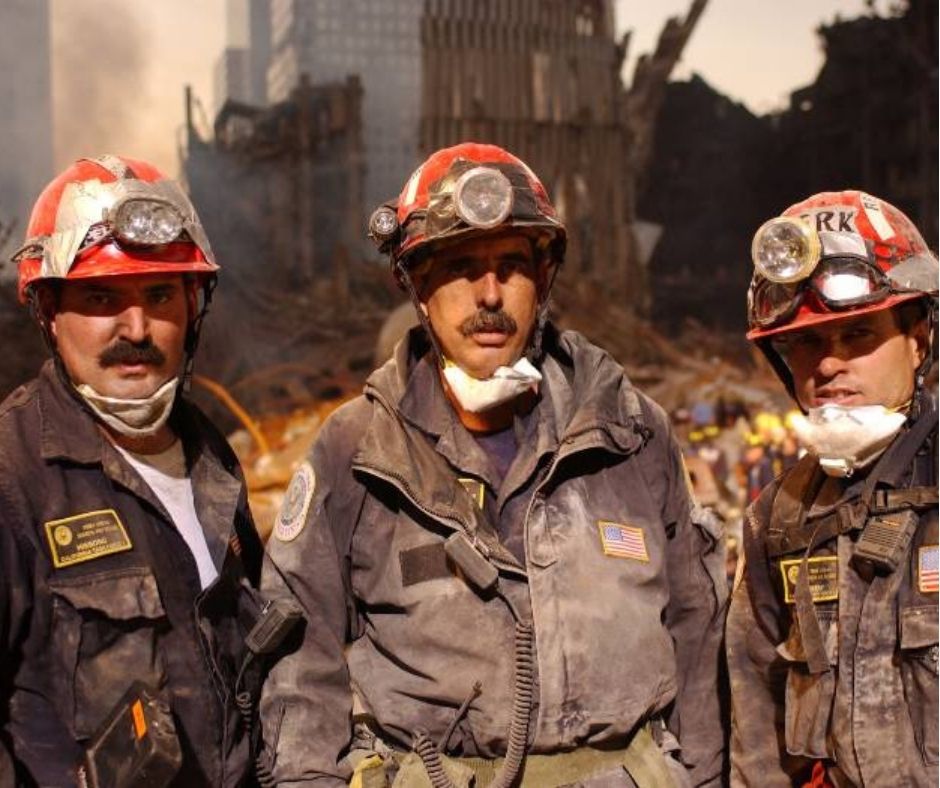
(122, 335)
(481, 297)
(864, 360)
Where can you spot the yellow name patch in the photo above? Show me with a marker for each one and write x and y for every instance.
(84, 537)
(823, 578)
(476, 489)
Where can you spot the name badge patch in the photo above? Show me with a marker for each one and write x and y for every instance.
(623, 541)
(823, 578)
(84, 537)
(927, 569)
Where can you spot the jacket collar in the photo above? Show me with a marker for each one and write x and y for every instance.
(67, 431)
(585, 402)
(584, 390)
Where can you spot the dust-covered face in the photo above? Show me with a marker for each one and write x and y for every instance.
(122, 335)
(481, 297)
(863, 360)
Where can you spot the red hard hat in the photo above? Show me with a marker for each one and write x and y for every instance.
(835, 233)
(855, 224)
(465, 190)
(112, 216)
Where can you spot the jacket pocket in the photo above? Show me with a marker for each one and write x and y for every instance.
(809, 697)
(919, 654)
(106, 627)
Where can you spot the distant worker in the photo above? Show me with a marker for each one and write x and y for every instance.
(127, 550)
(495, 545)
(832, 634)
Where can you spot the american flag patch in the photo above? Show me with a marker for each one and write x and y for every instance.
(927, 570)
(623, 541)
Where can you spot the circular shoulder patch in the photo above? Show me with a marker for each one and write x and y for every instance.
(292, 517)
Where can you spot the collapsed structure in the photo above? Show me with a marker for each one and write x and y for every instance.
(281, 188)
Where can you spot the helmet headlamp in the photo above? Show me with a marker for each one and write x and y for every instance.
(483, 197)
(141, 222)
(785, 249)
(383, 226)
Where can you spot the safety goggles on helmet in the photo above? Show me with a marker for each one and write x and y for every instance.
(133, 213)
(839, 283)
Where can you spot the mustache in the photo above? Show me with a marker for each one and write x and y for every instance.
(124, 352)
(487, 320)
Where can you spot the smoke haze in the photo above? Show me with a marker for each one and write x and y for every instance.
(100, 66)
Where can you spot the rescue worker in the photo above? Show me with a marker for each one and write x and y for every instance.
(494, 545)
(832, 634)
(127, 550)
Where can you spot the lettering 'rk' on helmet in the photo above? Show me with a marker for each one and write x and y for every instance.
(831, 256)
(462, 191)
(112, 216)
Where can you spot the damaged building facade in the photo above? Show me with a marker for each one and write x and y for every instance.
(870, 117)
(280, 192)
(718, 171)
(543, 80)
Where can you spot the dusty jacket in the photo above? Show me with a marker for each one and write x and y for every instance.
(618, 638)
(125, 601)
(870, 711)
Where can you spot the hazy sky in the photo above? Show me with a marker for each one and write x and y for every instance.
(120, 65)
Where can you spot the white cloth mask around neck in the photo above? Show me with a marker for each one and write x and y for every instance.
(505, 384)
(847, 438)
(135, 418)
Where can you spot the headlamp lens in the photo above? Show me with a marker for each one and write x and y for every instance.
(483, 197)
(147, 223)
(383, 224)
(785, 249)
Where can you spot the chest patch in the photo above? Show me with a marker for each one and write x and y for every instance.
(86, 536)
(823, 578)
(476, 489)
(292, 517)
(622, 541)
(927, 569)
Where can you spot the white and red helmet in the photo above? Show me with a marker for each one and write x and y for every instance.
(830, 256)
(112, 216)
(462, 191)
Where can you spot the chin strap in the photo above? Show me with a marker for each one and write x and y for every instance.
(405, 277)
(193, 331)
(930, 357)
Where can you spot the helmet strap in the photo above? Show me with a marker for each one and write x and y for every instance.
(534, 353)
(405, 278)
(930, 352)
(193, 332)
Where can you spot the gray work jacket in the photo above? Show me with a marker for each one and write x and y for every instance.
(624, 630)
(869, 718)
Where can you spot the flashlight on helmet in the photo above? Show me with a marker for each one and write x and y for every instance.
(483, 197)
(383, 227)
(145, 222)
(785, 249)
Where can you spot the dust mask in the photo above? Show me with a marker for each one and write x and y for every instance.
(505, 384)
(135, 418)
(847, 438)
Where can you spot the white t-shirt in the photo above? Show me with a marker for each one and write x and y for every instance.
(166, 475)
